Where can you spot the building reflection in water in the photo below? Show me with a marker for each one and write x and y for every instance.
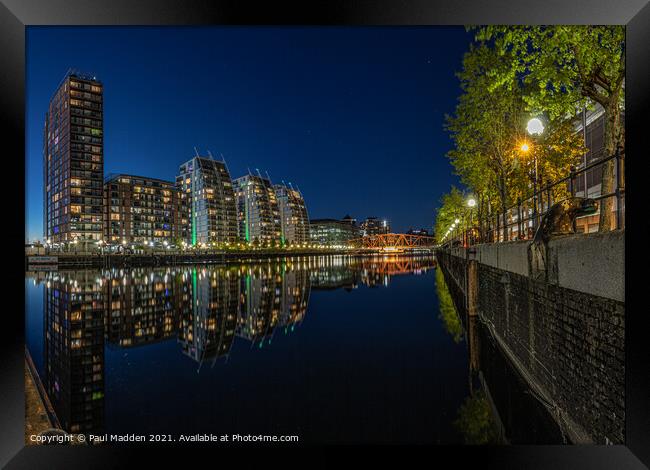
(142, 307)
(75, 308)
(203, 308)
(209, 310)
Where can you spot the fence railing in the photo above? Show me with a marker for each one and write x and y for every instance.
(521, 220)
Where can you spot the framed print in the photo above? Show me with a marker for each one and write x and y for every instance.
(347, 224)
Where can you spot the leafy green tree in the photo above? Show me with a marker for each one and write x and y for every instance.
(565, 68)
(452, 207)
(485, 129)
(488, 130)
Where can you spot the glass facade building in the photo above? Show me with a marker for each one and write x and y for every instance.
(141, 210)
(332, 232)
(211, 207)
(294, 221)
(73, 161)
(257, 210)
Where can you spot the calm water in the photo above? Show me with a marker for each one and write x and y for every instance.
(331, 349)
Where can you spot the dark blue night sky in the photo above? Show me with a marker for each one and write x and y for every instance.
(353, 116)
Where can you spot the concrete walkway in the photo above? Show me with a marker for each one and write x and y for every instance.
(36, 418)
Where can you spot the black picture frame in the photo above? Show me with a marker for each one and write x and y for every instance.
(16, 15)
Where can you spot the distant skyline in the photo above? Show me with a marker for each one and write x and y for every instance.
(351, 115)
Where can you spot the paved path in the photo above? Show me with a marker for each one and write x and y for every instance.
(36, 418)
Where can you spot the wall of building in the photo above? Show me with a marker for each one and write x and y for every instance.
(562, 327)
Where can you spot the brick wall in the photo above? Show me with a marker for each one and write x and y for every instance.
(568, 345)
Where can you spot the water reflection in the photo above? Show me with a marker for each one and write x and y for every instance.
(446, 310)
(499, 408)
(204, 308)
(74, 350)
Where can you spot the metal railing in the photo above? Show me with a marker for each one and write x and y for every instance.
(521, 220)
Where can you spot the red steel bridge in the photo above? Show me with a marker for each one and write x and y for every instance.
(394, 242)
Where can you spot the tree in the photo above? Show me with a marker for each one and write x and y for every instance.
(566, 68)
(452, 207)
(488, 130)
(485, 129)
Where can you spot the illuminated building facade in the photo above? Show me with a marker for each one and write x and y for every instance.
(331, 232)
(142, 210)
(374, 226)
(73, 161)
(592, 127)
(294, 222)
(257, 210)
(211, 207)
(422, 232)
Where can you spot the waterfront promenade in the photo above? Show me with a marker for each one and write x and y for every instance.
(51, 260)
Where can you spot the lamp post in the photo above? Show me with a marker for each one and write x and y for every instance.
(535, 128)
(471, 202)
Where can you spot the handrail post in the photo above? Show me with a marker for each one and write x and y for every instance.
(519, 224)
(535, 203)
(618, 188)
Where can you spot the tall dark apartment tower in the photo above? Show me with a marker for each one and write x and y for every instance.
(73, 161)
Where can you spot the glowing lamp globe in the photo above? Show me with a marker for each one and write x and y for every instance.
(535, 127)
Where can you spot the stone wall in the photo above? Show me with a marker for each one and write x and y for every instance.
(567, 344)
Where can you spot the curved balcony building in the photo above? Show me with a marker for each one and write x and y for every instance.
(212, 212)
(294, 221)
(257, 210)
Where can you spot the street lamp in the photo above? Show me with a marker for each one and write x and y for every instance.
(535, 128)
(471, 203)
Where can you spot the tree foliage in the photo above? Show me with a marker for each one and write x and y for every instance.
(562, 69)
(452, 207)
(500, 93)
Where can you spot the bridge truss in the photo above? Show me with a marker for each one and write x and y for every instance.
(393, 241)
